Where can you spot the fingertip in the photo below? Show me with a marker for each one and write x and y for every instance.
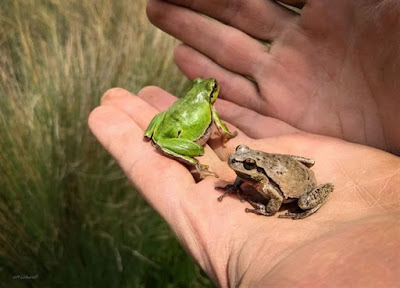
(98, 117)
(114, 93)
(154, 11)
(150, 91)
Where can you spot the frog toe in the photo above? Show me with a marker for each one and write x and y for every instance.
(259, 209)
(204, 171)
(300, 215)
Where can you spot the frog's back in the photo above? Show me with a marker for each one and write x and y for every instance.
(188, 118)
(292, 177)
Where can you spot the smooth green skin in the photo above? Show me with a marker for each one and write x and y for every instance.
(183, 129)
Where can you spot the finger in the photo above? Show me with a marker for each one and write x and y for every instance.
(234, 87)
(261, 19)
(142, 113)
(218, 41)
(253, 124)
(157, 97)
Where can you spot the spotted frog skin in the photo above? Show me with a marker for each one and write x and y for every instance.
(278, 178)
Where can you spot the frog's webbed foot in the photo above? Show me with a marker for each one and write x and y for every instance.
(225, 136)
(259, 209)
(205, 171)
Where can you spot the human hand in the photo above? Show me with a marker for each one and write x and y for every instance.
(353, 240)
(333, 70)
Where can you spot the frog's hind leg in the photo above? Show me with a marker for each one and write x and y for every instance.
(184, 150)
(311, 201)
(259, 209)
(180, 146)
(274, 203)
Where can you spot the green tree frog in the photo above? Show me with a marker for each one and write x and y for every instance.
(181, 131)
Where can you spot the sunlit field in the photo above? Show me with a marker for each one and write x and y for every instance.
(68, 215)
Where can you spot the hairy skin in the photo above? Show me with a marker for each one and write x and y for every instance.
(333, 70)
(352, 241)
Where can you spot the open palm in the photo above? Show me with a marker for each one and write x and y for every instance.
(333, 70)
(351, 240)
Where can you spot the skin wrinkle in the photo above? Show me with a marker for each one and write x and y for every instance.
(374, 99)
(341, 75)
(233, 8)
(340, 167)
(283, 259)
(324, 236)
(206, 262)
(282, 255)
(224, 90)
(276, 63)
(239, 269)
(232, 261)
(222, 54)
(270, 31)
(382, 190)
(248, 267)
(353, 185)
(366, 195)
(228, 265)
(268, 63)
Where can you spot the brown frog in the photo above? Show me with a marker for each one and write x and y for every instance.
(280, 179)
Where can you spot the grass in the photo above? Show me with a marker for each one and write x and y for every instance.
(67, 212)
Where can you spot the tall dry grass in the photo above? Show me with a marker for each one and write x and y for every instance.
(68, 216)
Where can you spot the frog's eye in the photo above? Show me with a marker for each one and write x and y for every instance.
(249, 164)
(242, 149)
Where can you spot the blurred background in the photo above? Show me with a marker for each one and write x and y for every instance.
(68, 215)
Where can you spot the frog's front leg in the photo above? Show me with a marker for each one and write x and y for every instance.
(311, 201)
(228, 189)
(153, 124)
(222, 129)
(274, 203)
(184, 150)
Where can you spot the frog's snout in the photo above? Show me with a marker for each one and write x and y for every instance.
(232, 161)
